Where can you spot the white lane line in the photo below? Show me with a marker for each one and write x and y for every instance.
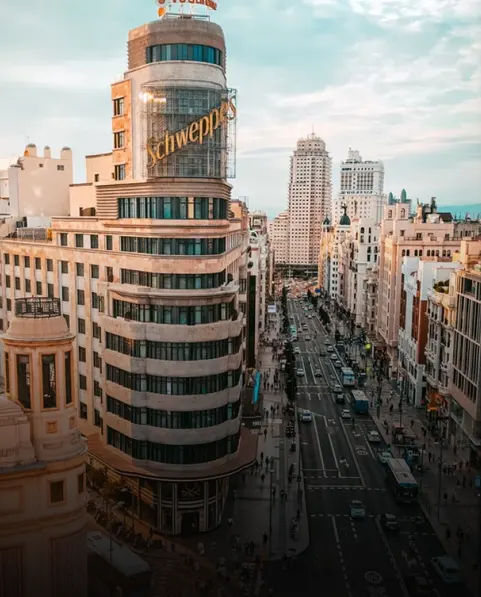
(368, 445)
(333, 453)
(353, 454)
(336, 532)
(319, 448)
(392, 558)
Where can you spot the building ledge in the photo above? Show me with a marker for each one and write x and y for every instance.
(113, 459)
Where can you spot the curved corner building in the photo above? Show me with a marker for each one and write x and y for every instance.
(173, 344)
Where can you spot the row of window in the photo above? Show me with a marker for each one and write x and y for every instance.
(166, 419)
(173, 315)
(192, 52)
(49, 379)
(173, 208)
(172, 281)
(173, 386)
(187, 454)
(173, 351)
(173, 246)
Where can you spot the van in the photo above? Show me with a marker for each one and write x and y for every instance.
(447, 569)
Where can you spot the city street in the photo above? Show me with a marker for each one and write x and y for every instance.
(346, 557)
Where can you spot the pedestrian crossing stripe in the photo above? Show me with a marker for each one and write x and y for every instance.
(356, 487)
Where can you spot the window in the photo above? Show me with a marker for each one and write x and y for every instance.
(95, 300)
(16, 259)
(9, 304)
(38, 288)
(172, 208)
(17, 283)
(50, 290)
(57, 492)
(8, 281)
(68, 378)
(82, 380)
(191, 52)
(60, 168)
(173, 281)
(83, 410)
(82, 354)
(96, 330)
(119, 172)
(97, 389)
(28, 286)
(94, 271)
(109, 274)
(118, 106)
(94, 241)
(63, 239)
(97, 360)
(38, 263)
(79, 241)
(174, 315)
(49, 381)
(173, 246)
(24, 380)
(67, 319)
(81, 326)
(49, 265)
(64, 267)
(97, 418)
(26, 261)
(80, 297)
(65, 293)
(119, 140)
(6, 258)
(96, 177)
(108, 242)
(81, 483)
(7, 373)
(80, 269)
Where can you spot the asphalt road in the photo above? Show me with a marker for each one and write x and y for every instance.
(348, 558)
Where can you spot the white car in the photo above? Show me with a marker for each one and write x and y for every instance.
(318, 373)
(345, 413)
(337, 364)
(300, 372)
(306, 416)
(357, 509)
(373, 437)
(297, 350)
(307, 338)
(383, 457)
(309, 316)
(337, 389)
(330, 349)
(333, 357)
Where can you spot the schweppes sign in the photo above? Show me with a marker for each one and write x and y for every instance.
(164, 4)
(196, 132)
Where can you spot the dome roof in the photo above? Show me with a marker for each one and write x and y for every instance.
(345, 220)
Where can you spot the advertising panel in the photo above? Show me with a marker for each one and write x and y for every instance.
(189, 132)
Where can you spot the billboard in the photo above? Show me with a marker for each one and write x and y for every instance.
(188, 132)
(272, 309)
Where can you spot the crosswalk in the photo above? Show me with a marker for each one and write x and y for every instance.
(344, 487)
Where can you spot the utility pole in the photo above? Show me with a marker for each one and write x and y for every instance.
(440, 473)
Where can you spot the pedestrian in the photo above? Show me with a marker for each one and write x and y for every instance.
(464, 481)
(265, 433)
(263, 478)
(274, 491)
(262, 456)
(448, 533)
(265, 537)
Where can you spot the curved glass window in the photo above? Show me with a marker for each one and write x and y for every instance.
(166, 419)
(172, 208)
(172, 281)
(173, 386)
(187, 454)
(173, 351)
(173, 315)
(192, 52)
(173, 246)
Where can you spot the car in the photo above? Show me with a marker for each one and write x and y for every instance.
(306, 417)
(330, 349)
(345, 413)
(357, 510)
(447, 569)
(300, 372)
(337, 364)
(333, 357)
(337, 389)
(297, 350)
(419, 586)
(327, 341)
(318, 373)
(373, 437)
(389, 522)
(307, 338)
(384, 456)
(340, 399)
(304, 326)
(322, 352)
(309, 316)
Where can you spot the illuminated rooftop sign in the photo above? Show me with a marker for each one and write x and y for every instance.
(164, 4)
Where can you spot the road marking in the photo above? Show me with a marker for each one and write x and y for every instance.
(333, 452)
(336, 532)
(319, 447)
(353, 454)
(391, 557)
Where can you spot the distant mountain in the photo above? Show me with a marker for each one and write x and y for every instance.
(473, 209)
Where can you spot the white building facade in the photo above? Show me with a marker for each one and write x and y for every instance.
(279, 238)
(310, 195)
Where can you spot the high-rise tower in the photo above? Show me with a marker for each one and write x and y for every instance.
(309, 199)
(42, 458)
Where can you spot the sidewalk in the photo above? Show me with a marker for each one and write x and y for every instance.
(462, 508)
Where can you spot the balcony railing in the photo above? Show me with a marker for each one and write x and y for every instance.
(37, 307)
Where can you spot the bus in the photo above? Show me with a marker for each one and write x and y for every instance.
(401, 481)
(114, 569)
(348, 378)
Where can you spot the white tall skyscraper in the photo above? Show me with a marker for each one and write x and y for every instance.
(310, 192)
(362, 189)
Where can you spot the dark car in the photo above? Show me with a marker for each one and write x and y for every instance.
(390, 522)
(419, 586)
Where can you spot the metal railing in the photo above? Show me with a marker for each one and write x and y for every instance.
(37, 307)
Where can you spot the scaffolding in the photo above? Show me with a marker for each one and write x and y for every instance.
(171, 109)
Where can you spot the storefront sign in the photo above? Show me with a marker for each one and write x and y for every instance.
(196, 132)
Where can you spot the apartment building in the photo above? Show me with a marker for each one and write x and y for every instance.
(418, 278)
(429, 235)
(279, 238)
(150, 284)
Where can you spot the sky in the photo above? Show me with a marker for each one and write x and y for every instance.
(399, 80)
